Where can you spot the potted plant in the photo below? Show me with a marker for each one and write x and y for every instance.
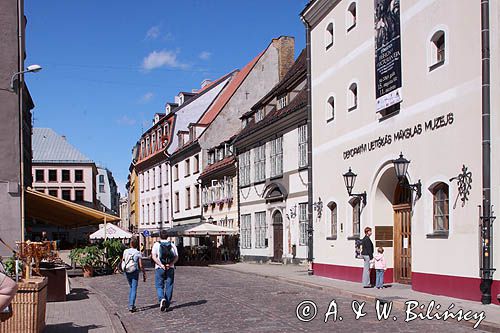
(87, 257)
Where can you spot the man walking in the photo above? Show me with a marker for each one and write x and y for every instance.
(367, 253)
(165, 255)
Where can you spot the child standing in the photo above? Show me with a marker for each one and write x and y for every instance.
(380, 267)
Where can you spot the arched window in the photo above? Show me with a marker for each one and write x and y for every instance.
(332, 206)
(330, 109)
(438, 49)
(441, 208)
(329, 36)
(351, 16)
(353, 96)
(356, 216)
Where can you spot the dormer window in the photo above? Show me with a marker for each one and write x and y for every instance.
(192, 133)
(147, 146)
(228, 150)
(181, 139)
(282, 101)
(259, 115)
(160, 145)
(153, 142)
(351, 16)
(143, 146)
(211, 157)
(329, 36)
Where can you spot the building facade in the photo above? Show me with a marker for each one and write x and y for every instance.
(405, 88)
(15, 129)
(124, 214)
(273, 175)
(107, 191)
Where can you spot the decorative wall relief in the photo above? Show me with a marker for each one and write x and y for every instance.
(464, 181)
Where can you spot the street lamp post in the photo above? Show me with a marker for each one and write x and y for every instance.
(29, 69)
(401, 167)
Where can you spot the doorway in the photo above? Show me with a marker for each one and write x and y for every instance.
(402, 233)
(277, 236)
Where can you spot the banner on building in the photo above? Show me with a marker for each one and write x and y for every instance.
(387, 53)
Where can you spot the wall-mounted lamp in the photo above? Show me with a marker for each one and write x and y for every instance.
(401, 168)
(32, 68)
(210, 220)
(349, 180)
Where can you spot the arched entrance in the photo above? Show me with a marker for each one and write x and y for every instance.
(277, 236)
(402, 233)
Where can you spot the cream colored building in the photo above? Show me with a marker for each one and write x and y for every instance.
(429, 108)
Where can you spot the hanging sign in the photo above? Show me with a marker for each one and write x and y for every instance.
(387, 53)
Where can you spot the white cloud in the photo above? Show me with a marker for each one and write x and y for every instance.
(153, 32)
(147, 97)
(205, 55)
(157, 59)
(126, 120)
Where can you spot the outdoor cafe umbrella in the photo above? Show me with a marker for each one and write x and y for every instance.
(112, 231)
(209, 229)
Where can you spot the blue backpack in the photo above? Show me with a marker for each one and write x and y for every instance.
(166, 253)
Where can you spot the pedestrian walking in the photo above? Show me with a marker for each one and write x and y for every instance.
(131, 264)
(367, 253)
(164, 254)
(380, 267)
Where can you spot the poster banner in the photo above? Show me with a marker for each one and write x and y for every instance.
(387, 53)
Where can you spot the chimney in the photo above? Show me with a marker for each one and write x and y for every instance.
(64, 137)
(286, 53)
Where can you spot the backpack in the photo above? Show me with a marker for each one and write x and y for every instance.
(128, 264)
(357, 249)
(165, 253)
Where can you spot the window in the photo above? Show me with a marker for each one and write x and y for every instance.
(302, 146)
(176, 172)
(177, 203)
(228, 150)
(196, 166)
(40, 175)
(332, 206)
(148, 214)
(259, 115)
(351, 16)
(188, 198)
(437, 49)
(187, 167)
(330, 109)
(197, 196)
(141, 182)
(260, 163)
(303, 223)
(353, 96)
(277, 157)
(143, 149)
(153, 142)
(159, 175)
(160, 146)
(52, 175)
(167, 209)
(78, 176)
(260, 230)
(282, 101)
(79, 195)
(143, 215)
(244, 162)
(147, 146)
(246, 231)
(153, 175)
(166, 174)
(146, 181)
(356, 216)
(65, 176)
(329, 36)
(53, 192)
(220, 154)
(160, 208)
(441, 208)
(153, 220)
(101, 178)
(211, 157)
(101, 188)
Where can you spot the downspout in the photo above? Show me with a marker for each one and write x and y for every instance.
(20, 91)
(487, 219)
(310, 227)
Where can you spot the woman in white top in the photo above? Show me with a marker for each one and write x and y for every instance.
(131, 264)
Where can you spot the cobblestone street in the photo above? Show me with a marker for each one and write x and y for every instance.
(213, 300)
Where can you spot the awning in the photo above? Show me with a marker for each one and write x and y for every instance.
(61, 212)
(112, 231)
(200, 229)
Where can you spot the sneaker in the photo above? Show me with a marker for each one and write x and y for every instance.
(132, 309)
(163, 305)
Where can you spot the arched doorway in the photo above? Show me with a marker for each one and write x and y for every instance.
(402, 233)
(277, 236)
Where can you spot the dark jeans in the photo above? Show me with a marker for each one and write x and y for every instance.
(133, 280)
(164, 283)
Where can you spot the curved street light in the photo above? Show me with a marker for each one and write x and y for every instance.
(29, 69)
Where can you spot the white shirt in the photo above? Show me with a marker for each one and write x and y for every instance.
(136, 255)
(155, 251)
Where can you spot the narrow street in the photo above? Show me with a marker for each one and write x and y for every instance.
(214, 300)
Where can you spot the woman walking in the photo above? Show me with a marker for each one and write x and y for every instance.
(131, 264)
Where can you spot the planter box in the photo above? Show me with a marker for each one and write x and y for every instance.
(28, 307)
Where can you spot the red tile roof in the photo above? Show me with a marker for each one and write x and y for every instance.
(218, 165)
(228, 92)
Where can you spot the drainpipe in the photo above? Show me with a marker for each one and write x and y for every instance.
(487, 219)
(310, 227)
(20, 91)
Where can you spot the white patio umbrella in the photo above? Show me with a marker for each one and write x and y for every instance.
(110, 231)
(209, 229)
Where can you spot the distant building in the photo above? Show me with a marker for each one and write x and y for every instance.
(16, 105)
(107, 191)
(124, 214)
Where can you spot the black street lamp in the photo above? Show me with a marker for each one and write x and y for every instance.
(211, 220)
(401, 167)
(349, 180)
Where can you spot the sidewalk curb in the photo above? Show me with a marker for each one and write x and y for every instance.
(113, 315)
(399, 304)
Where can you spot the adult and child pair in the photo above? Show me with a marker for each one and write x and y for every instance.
(164, 254)
(376, 261)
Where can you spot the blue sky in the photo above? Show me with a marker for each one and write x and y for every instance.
(108, 66)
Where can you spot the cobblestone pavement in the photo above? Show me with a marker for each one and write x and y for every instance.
(213, 300)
